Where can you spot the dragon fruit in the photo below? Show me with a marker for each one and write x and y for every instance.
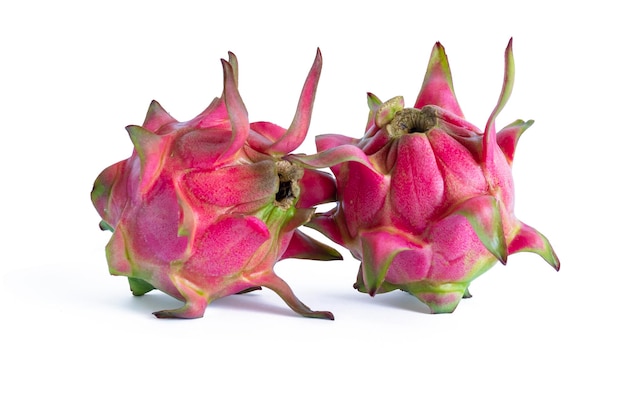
(205, 208)
(426, 198)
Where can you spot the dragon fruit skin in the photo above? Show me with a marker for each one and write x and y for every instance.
(204, 209)
(425, 199)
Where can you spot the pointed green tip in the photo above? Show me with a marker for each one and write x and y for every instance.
(139, 287)
(556, 264)
(387, 111)
(483, 214)
(438, 57)
(373, 102)
(529, 239)
(379, 247)
(509, 78)
(489, 137)
(157, 117)
(251, 289)
(508, 137)
(299, 127)
(439, 297)
(236, 109)
(326, 315)
(144, 141)
(149, 147)
(437, 87)
(234, 63)
(106, 226)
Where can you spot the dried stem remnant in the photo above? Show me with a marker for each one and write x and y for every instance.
(288, 188)
(412, 120)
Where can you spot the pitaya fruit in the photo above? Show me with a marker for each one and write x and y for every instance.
(425, 197)
(205, 208)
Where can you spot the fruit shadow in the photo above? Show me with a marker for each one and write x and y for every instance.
(71, 290)
(398, 300)
(257, 302)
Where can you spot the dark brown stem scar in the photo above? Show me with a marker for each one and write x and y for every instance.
(284, 190)
(411, 120)
(288, 188)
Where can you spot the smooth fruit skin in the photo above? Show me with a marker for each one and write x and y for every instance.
(425, 198)
(204, 209)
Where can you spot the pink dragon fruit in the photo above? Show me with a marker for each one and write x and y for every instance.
(426, 198)
(204, 209)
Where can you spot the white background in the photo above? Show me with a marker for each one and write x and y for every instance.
(530, 342)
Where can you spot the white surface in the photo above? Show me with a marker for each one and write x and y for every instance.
(530, 342)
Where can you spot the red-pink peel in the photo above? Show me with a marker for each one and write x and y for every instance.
(204, 209)
(425, 198)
